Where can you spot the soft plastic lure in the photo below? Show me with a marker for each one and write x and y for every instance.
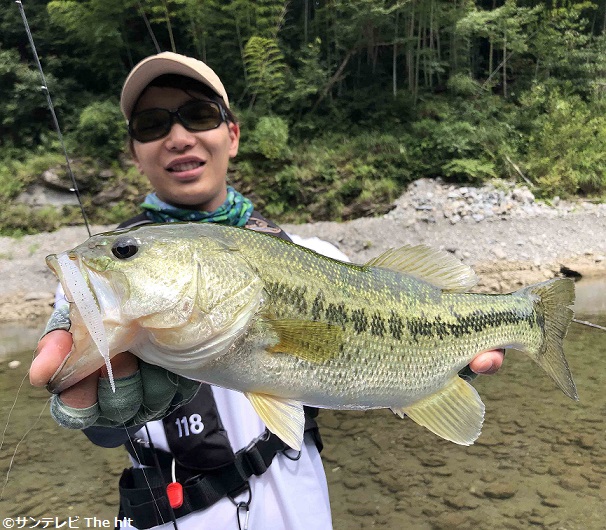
(87, 306)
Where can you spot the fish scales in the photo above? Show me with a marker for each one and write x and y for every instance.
(288, 327)
(385, 363)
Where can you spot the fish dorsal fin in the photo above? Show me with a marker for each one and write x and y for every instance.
(284, 417)
(455, 413)
(437, 267)
(314, 342)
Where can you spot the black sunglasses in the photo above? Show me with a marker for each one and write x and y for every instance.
(153, 124)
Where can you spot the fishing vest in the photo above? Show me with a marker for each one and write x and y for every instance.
(206, 465)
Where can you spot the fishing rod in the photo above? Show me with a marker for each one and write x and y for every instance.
(589, 324)
(49, 100)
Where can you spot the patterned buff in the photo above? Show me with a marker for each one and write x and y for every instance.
(235, 211)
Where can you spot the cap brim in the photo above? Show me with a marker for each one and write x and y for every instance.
(166, 63)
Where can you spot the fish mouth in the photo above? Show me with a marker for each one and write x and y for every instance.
(51, 263)
(86, 326)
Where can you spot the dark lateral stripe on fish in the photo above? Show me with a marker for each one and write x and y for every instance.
(359, 320)
(377, 325)
(395, 325)
(475, 322)
(337, 314)
(317, 308)
(294, 296)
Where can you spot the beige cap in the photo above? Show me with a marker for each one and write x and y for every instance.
(166, 63)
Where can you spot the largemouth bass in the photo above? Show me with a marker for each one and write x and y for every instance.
(289, 327)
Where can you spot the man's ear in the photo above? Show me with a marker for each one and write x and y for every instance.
(133, 155)
(234, 136)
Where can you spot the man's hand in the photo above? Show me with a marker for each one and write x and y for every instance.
(143, 392)
(51, 351)
(487, 362)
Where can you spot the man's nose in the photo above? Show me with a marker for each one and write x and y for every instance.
(179, 137)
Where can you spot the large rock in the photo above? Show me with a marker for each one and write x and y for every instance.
(39, 195)
(55, 187)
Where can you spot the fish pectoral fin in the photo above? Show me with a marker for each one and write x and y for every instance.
(455, 413)
(314, 342)
(284, 417)
(437, 267)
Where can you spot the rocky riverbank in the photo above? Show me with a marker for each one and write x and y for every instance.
(509, 237)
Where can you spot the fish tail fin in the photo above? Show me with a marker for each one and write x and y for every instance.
(552, 300)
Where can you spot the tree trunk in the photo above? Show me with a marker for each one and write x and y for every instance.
(241, 46)
(394, 70)
(490, 53)
(336, 77)
(505, 66)
(305, 19)
(409, 50)
(169, 27)
(418, 59)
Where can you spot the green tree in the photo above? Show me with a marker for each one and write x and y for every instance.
(24, 115)
(506, 28)
(266, 70)
(566, 49)
(566, 152)
(101, 131)
(95, 30)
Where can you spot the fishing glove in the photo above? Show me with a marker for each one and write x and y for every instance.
(59, 319)
(149, 394)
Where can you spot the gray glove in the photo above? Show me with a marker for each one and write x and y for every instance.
(149, 394)
(59, 319)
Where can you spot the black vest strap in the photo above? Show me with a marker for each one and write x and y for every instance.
(142, 490)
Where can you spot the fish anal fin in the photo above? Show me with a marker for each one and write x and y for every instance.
(284, 417)
(437, 267)
(314, 342)
(455, 413)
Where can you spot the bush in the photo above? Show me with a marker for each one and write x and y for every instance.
(21, 219)
(463, 85)
(566, 150)
(24, 115)
(270, 138)
(100, 132)
(17, 175)
(329, 179)
(463, 139)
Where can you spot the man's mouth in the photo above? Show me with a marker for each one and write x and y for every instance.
(185, 166)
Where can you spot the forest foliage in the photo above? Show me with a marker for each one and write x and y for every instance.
(342, 103)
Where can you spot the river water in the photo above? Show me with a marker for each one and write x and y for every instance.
(540, 461)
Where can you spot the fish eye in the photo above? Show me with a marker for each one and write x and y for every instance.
(125, 248)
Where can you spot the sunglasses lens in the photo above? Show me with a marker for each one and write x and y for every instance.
(150, 125)
(153, 124)
(200, 115)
